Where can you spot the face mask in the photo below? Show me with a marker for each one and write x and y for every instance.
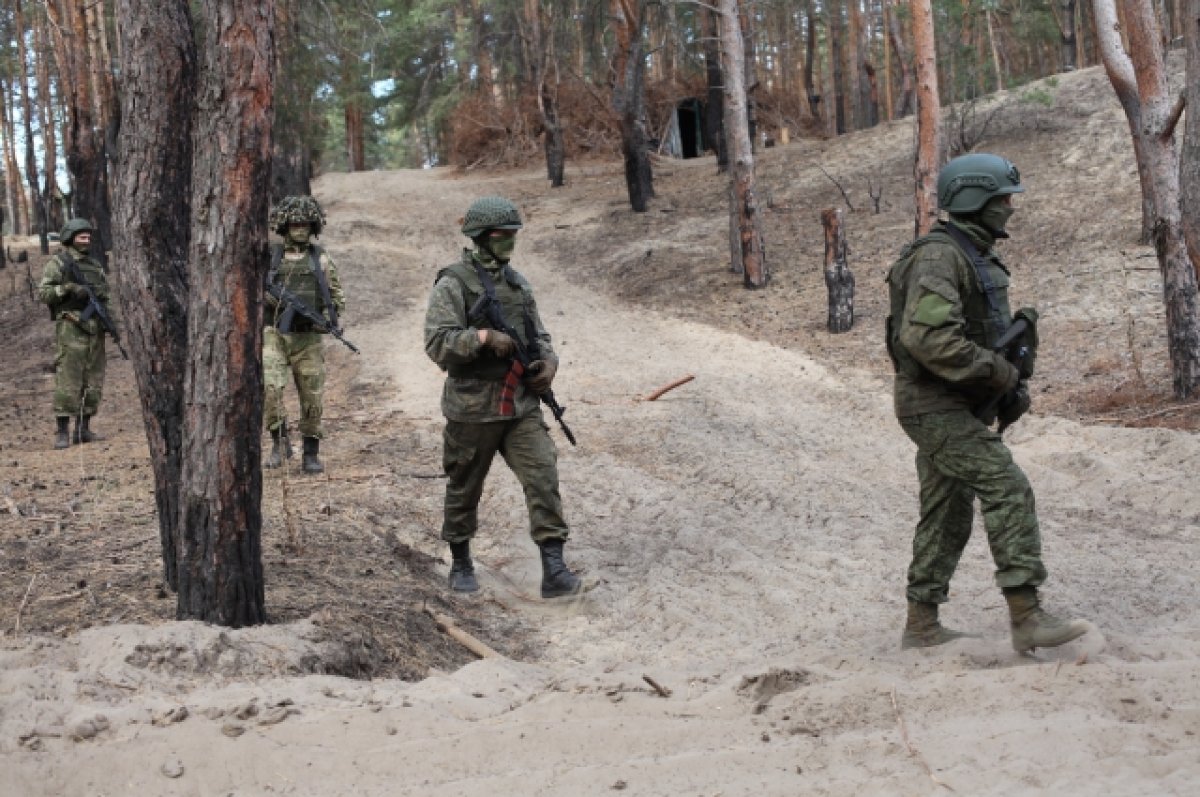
(299, 235)
(502, 247)
(81, 246)
(995, 215)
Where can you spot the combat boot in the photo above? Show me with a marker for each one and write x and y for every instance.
(281, 447)
(557, 578)
(923, 629)
(310, 463)
(1033, 627)
(62, 434)
(462, 569)
(83, 434)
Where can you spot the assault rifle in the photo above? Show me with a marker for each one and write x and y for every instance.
(293, 305)
(96, 308)
(1015, 349)
(488, 306)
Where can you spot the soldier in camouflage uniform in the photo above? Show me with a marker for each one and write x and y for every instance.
(79, 342)
(307, 271)
(489, 407)
(949, 305)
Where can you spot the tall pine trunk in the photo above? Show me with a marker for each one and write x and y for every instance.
(153, 218)
(629, 100)
(714, 106)
(929, 118)
(1189, 173)
(28, 103)
(220, 552)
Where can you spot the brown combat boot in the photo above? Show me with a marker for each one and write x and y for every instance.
(281, 447)
(83, 434)
(1033, 627)
(62, 432)
(923, 629)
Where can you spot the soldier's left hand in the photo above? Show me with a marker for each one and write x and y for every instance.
(1015, 404)
(541, 374)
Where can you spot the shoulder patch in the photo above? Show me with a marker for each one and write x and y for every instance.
(933, 310)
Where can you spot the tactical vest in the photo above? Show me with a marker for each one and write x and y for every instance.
(300, 277)
(516, 302)
(982, 326)
(91, 271)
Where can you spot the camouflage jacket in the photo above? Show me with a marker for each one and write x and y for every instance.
(61, 302)
(474, 376)
(295, 273)
(941, 326)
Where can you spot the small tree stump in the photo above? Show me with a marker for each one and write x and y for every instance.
(838, 278)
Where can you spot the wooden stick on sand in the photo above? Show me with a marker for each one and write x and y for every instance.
(683, 380)
(447, 626)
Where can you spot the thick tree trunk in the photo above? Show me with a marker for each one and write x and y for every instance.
(1189, 174)
(1140, 80)
(629, 101)
(153, 218)
(28, 103)
(929, 118)
(220, 553)
(540, 55)
(714, 107)
(838, 278)
(747, 255)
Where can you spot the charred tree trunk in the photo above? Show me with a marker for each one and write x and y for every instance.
(1189, 173)
(714, 108)
(629, 101)
(28, 103)
(838, 279)
(220, 553)
(539, 54)
(153, 218)
(1140, 80)
(929, 118)
(1068, 44)
(747, 255)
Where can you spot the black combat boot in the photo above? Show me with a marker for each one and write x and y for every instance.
(1034, 627)
(309, 463)
(557, 578)
(923, 629)
(62, 434)
(281, 446)
(83, 434)
(462, 569)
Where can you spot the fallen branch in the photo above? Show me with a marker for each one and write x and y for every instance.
(914, 752)
(845, 196)
(683, 380)
(24, 601)
(447, 626)
(1149, 415)
(662, 690)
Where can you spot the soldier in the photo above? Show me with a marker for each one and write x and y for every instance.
(292, 346)
(78, 334)
(490, 404)
(949, 305)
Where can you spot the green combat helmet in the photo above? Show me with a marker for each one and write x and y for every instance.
(490, 213)
(72, 228)
(297, 210)
(967, 182)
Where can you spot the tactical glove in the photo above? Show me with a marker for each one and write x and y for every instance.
(541, 374)
(499, 343)
(1014, 404)
(1029, 339)
(74, 290)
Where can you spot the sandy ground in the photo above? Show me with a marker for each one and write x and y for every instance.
(746, 537)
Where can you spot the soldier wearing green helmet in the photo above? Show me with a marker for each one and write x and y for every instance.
(490, 401)
(949, 308)
(292, 346)
(79, 357)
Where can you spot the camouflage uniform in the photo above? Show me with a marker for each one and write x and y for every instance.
(79, 357)
(940, 336)
(475, 428)
(298, 354)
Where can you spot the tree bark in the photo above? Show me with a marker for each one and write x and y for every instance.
(747, 255)
(153, 218)
(28, 103)
(541, 60)
(220, 553)
(12, 175)
(1189, 172)
(629, 100)
(810, 58)
(45, 116)
(929, 118)
(1140, 80)
(1068, 45)
(896, 37)
(714, 107)
(837, 67)
(839, 280)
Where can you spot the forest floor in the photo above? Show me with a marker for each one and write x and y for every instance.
(746, 534)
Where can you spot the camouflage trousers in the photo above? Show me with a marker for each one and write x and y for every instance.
(78, 368)
(300, 356)
(959, 459)
(525, 444)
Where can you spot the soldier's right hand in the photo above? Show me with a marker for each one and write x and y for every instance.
(499, 343)
(73, 290)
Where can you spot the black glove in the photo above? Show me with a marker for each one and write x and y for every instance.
(1029, 340)
(541, 374)
(499, 343)
(74, 290)
(1014, 404)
